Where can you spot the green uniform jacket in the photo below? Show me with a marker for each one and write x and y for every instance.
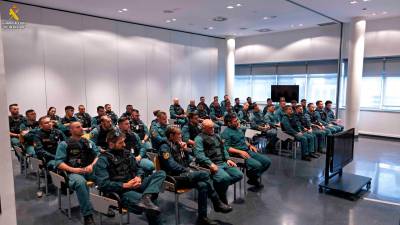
(290, 124)
(175, 110)
(234, 138)
(200, 154)
(271, 119)
(158, 134)
(107, 183)
(256, 120)
(61, 154)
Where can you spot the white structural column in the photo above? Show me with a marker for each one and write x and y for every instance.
(7, 194)
(356, 63)
(230, 66)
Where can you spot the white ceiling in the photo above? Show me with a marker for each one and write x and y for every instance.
(196, 15)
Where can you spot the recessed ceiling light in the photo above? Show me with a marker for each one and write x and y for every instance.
(374, 14)
(353, 2)
(292, 26)
(229, 7)
(366, 0)
(219, 19)
(238, 5)
(173, 19)
(384, 13)
(120, 11)
(168, 21)
(208, 28)
(124, 9)
(300, 25)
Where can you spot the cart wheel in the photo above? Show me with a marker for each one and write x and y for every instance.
(320, 190)
(368, 186)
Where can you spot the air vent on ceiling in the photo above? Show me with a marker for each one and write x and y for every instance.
(326, 24)
(264, 30)
(243, 28)
(219, 19)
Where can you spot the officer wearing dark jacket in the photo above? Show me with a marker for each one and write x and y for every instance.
(77, 156)
(28, 129)
(177, 113)
(203, 103)
(175, 160)
(46, 141)
(15, 120)
(128, 113)
(99, 134)
(117, 171)
(305, 122)
(210, 152)
(237, 107)
(84, 118)
(111, 114)
(191, 130)
(140, 128)
(323, 118)
(133, 143)
(158, 129)
(191, 107)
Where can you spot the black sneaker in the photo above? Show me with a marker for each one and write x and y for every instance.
(88, 220)
(306, 158)
(312, 155)
(206, 221)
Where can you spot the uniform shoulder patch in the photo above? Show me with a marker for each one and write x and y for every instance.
(165, 155)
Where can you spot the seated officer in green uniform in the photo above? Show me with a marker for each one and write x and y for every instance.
(323, 118)
(96, 120)
(177, 113)
(77, 156)
(244, 115)
(117, 171)
(191, 129)
(175, 161)
(99, 134)
(46, 141)
(303, 103)
(191, 107)
(270, 118)
(128, 112)
(210, 152)
(15, 120)
(84, 118)
(292, 127)
(140, 128)
(111, 114)
(279, 111)
(28, 129)
(257, 122)
(52, 113)
(133, 143)
(215, 99)
(237, 107)
(228, 109)
(330, 115)
(217, 114)
(315, 119)
(236, 145)
(68, 118)
(158, 129)
(202, 112)
(155, 112)
(269, 102)
(223, 102)
(203, 103)
(306, 123)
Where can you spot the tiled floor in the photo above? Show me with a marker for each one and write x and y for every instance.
(290, 196)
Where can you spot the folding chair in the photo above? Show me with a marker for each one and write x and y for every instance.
(38, 166)
(102, 205)
(23, 160)
(283, 136)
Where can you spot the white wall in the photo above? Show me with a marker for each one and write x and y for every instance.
(69, 59)
(7, 194)
(381, 39)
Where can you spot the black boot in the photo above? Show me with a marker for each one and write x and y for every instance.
(148, 205)
(306, 158)
(88, 220)
(205, 221)
(221, 207)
